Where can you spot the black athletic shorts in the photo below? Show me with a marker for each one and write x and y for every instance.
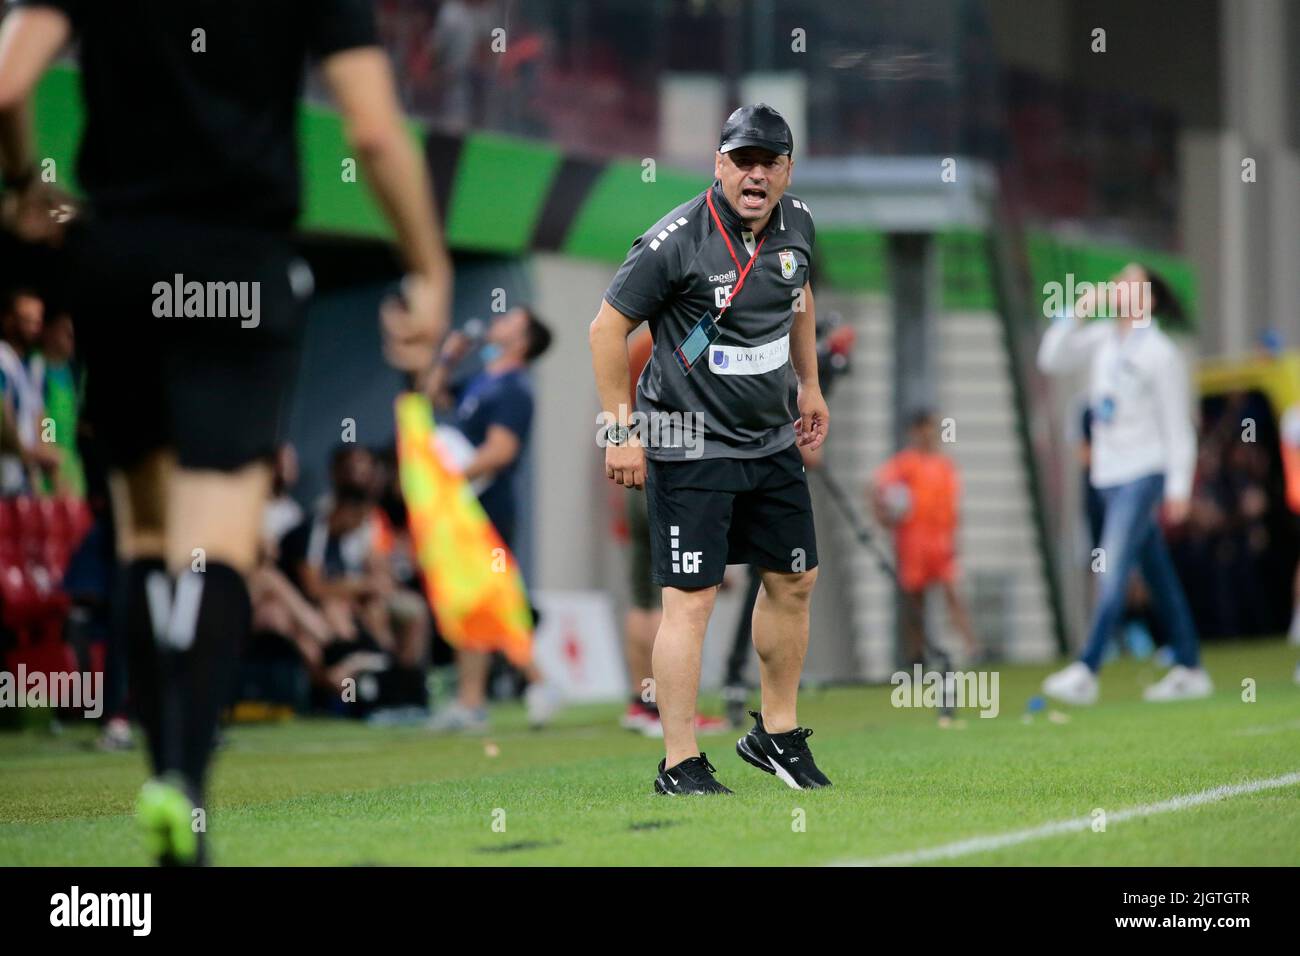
(214, 389)
(711, 512)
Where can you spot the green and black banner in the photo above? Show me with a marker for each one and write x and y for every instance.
(505, 195)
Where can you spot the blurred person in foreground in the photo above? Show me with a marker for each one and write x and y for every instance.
(1143, 458)
(917, 493)
(187, 264)
(492, 416)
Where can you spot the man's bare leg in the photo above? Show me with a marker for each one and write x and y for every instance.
(676, 665)
(960, 617)
(781, 638)
(472, 669)
(914, 626)
(186, 539)
(196, 610)
(219, 512)
(139, 499)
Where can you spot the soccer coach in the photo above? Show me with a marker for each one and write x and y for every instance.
(723, 281)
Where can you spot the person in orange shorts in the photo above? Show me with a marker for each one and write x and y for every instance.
(916, 493)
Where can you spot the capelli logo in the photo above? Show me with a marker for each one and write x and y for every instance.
(77, 909)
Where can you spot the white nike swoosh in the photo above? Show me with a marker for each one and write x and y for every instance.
(776, 748)
(671, 778)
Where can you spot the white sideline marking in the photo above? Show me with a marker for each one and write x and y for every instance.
(1267, 729)
(948, 851)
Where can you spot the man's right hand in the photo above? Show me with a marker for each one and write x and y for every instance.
(625, 465)
(414, 325)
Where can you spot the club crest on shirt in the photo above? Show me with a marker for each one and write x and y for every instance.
(788, 263)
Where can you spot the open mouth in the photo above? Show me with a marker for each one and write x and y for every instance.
(751, 197)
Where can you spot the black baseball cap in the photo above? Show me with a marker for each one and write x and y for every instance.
(757, 125)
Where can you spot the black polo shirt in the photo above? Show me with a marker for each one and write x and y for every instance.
(744, 386)
(210, 135)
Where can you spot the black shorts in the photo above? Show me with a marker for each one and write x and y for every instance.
(708, 513)
(214, 389)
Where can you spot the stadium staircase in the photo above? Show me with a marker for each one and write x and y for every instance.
(1004, 578)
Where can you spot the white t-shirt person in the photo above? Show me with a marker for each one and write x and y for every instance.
(1143, 448)
(1139, 395)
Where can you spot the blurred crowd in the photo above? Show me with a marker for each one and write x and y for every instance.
(341, 623)
(338, 613)
(1238, 548)
(1237, 552)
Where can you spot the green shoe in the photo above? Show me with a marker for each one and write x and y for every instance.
(166, 814)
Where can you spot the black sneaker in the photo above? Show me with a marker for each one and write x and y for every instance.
(692, 777)
(786, 755)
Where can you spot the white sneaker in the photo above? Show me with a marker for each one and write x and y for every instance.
(542, 701)
(1076, 684)
(1181, 683)
(456, 718)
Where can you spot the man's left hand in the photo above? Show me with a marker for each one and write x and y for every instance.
(39, 213)
(814, 418)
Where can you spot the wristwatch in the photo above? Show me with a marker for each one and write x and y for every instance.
(616, 434)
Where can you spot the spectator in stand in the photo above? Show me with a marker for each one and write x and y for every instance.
(64, 388)
(1290, 435)
(23, 456)
(282, 513)
(332, 558)
(408, 613)
(1290, 440)
(458, 44)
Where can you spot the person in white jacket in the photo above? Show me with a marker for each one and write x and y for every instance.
(1143, 456)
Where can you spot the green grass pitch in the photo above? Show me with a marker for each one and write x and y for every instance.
(335, 793)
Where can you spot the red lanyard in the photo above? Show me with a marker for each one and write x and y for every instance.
(708, 197)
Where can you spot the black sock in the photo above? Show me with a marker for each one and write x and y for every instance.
(144, 678)
(200, 621)
(208, 669)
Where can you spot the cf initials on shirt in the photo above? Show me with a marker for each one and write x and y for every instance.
(720, 294)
